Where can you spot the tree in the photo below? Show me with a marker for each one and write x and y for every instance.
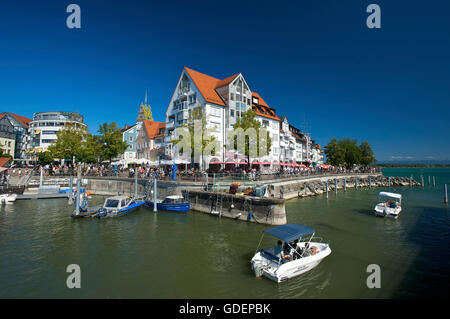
(45, 158)
(110, 143)
(245, 124)
(202, 142)
(335, 156)
(70, 142)
(367, 156)
(346, 152)
(2, 154)
(352, 153)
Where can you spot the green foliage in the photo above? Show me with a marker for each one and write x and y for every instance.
(76, 141)
(70, 142)
(109, 143)
(45, 158)
(367, 156)
(2, 154)
(249, 121)
(204, 141)
(347, 153)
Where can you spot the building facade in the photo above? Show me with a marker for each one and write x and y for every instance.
(7, 136)
(222, 102)
(45, 125)
(150, 141)
(22, 139)
(130, 135)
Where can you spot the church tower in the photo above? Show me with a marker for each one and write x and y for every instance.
(145, 113)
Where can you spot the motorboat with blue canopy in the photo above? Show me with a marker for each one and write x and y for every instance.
(291, 256)
(389, 205)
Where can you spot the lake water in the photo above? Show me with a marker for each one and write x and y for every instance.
(169, 255)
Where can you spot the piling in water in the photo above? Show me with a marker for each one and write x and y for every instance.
(335, 186)
(445, 194)
(434, 181)
(327, 189)
(421, 177)
(429, 180)
(410, 180)
(356, 182)
(389, 181)
(155, 187)
(345, 184)
(370, 181)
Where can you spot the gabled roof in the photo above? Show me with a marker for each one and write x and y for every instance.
(206, 85)
(262, 109)
(152, 128)
(23, 120)
(226, 81)
(126, 128)
(3, 161)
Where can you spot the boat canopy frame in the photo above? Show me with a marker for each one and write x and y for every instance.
(288, 233)
(390, 195)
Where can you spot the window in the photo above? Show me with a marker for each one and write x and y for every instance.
(192, 99)
(255, 100)
(232, 113)
(232, 96)
(131, 138)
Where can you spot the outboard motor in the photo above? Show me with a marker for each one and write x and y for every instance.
(101, 213)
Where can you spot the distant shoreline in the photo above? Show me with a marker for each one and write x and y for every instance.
(413, 165)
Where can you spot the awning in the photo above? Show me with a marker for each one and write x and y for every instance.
(290, 232)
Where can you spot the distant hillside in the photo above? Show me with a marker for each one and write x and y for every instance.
(417, 163)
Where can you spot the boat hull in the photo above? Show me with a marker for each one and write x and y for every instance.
(121, 212)
(8, 198)
(383, 211)
(182, 207)
(288, 270)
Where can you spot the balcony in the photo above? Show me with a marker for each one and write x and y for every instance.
(170, 125)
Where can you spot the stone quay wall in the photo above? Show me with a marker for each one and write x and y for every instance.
(261, 210)
(317, 185)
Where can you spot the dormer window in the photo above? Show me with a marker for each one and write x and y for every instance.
(255, 100)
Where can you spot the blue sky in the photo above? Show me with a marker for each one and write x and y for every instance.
(313, 60)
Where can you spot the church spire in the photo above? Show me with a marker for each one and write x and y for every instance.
(145, 112)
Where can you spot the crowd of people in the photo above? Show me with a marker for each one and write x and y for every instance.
(255, 172)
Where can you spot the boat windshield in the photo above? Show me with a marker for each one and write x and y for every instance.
(112, 203)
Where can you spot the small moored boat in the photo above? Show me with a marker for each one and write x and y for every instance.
(389, 205)
(8, 198)
(118, 206)
(294, 258)
(171, 203)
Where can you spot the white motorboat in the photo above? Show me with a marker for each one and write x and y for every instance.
(296, 257)
(8, 198)
(389, 205)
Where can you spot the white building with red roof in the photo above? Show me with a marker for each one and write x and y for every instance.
(223, 102)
